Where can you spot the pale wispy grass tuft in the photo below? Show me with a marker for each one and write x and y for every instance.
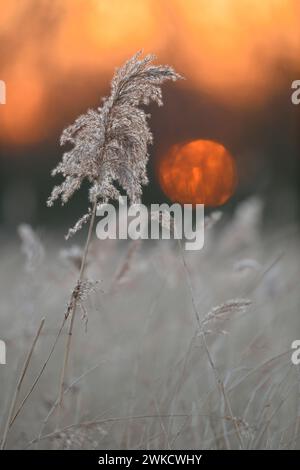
(247, 264)
(212, 219)
(226, 310)
(31, 247)
(110, 144)
(72, 255)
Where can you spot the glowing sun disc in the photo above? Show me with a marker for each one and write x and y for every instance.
(198, 172)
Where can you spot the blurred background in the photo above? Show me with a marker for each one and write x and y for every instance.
(239, 59)
(140, 355)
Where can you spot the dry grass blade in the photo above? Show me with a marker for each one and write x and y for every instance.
(226, 310)
(86, 424)
(209, 356)
(19, 385)
(124, 268)
(35, 382)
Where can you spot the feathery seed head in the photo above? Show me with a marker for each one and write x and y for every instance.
(110, 144)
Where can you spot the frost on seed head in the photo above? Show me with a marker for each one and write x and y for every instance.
(109, 144)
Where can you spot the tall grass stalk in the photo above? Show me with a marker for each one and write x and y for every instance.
(109, 146)
(16, 393)
(218, 379)
(73, 303)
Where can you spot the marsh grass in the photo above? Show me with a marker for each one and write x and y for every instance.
(140, 377)
(181, 350)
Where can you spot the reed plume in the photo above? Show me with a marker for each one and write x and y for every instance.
(109, 148)
(110, 144)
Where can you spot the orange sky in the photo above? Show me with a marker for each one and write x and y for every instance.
(54, 51)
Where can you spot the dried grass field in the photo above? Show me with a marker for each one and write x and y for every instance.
(142, 372)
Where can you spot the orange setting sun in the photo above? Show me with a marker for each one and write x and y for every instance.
(198, 172)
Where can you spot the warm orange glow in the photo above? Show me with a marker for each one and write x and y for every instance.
(227, 48)
(230, 47)
(20, 117)
(101, 34)
(198, 172)
(63, 42)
